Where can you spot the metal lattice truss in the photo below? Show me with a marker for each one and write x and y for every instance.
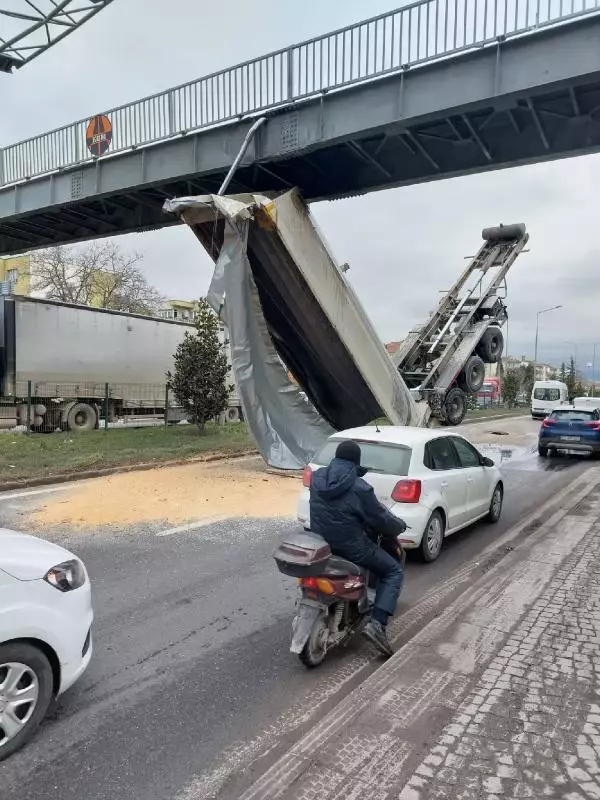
(29, 27)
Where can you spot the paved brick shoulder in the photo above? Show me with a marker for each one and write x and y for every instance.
(531, 725)
(498, 698)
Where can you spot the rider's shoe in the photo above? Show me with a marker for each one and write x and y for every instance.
(376, 633)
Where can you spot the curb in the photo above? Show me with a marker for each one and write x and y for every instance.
(72, 477)
(286, 772)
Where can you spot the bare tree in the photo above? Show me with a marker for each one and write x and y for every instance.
(98, 274)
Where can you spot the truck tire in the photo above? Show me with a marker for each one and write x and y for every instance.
(454, 406)
(232, 414)
(491, 345)
(82, 417)
(504, 233)
(473, 375)
(49, 422)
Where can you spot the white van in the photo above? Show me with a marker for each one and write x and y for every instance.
(546, 395)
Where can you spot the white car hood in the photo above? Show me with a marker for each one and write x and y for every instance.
(28, 558)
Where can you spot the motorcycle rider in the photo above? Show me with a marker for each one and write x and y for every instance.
(342, 506)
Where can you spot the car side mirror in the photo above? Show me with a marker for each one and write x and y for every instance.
(487, 462)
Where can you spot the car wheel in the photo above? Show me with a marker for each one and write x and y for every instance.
(433, 537)
(496, 504)
(26, 683)
(542, 451)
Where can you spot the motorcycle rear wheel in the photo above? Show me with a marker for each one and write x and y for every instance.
(314, 651)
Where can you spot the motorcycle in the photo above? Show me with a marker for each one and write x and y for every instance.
(335, 596)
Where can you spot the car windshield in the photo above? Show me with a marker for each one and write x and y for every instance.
(572, 415)
(548, 395)
(388, 459)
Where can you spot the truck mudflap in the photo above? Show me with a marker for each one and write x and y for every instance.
(286, 302)
(308, 613)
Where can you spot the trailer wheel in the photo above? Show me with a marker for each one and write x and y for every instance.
(82, 417)
(51, 421)
(473, 375)
(454, 406)
(491, 345)
(232, 415)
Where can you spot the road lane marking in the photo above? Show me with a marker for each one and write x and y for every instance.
(192, 526)
(32, 492)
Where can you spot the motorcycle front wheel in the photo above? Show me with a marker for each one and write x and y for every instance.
(314, 651)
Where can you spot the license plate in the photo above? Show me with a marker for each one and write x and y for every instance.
(570, 438)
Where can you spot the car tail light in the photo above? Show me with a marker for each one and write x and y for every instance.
(317, 585)
(548, 422)
(407, 491)
(306, 477)
(595, 425)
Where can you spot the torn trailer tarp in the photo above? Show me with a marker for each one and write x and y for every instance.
(283, 299)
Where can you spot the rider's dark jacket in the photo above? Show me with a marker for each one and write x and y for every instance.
(343, 506)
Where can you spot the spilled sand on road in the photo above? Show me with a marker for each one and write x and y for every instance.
(236, 488)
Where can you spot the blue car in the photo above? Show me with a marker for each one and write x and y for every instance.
(570, 428)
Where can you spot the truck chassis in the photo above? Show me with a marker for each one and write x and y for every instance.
(443, 361)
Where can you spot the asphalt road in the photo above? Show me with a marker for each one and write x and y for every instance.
(192, 689)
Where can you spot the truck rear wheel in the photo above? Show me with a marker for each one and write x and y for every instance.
(51, 421)
(473, 375)
(454, 406)
(491, 345)
(233, 414)
(82, 417)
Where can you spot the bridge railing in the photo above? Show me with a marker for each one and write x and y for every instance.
(418, 33)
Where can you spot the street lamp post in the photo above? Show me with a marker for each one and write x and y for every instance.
(537, 330)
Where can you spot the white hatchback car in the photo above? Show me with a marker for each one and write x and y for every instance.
(45, 631)
(433, 479)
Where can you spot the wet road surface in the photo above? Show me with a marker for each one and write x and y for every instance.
(192, 688)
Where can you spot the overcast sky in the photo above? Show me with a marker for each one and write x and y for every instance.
(403, 245)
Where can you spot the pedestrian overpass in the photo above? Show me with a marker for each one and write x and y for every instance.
(436, 89)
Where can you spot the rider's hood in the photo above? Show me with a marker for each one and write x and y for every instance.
(334, 480)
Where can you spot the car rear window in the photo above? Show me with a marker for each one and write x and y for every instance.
(547, 395)
(388, 459)
(572, 415)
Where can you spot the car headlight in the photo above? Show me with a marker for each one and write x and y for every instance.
(66, 576)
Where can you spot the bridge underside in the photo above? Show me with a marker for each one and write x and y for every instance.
(531, 100)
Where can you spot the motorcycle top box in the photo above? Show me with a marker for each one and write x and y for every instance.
(302, 555)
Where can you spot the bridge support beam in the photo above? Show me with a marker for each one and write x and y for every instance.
(531, 99)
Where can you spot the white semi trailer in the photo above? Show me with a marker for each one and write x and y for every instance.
(56, 360)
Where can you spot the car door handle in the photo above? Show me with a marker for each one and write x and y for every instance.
(469, 480)
(444, 484)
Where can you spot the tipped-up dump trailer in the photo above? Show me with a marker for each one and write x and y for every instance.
(287, 304)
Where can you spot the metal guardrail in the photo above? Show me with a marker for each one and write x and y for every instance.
(418, 33)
